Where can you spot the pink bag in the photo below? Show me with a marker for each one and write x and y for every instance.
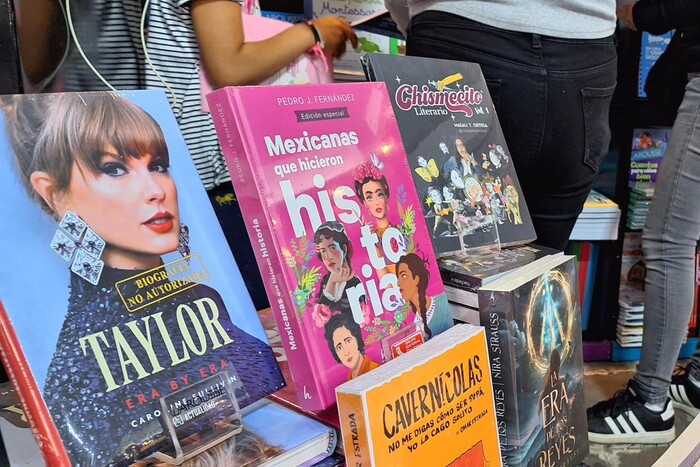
(311, 67)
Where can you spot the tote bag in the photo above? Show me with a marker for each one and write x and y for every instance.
(311, 67)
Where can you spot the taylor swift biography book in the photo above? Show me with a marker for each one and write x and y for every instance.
(533, 327)
(463, 171)
(325, 190)
(118, 289)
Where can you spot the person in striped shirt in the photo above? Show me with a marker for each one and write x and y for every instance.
(182, 37)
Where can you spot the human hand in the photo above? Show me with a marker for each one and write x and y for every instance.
(340, 274)
(335, 32)
(624, 12)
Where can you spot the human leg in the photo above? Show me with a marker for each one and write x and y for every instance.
(552, 97)
(670, 237)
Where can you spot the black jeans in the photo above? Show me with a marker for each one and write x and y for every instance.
(552, 97)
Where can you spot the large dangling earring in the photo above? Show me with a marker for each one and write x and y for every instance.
(80, 246)
(183, 246)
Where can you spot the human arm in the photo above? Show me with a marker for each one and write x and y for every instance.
(399, 13)
(41, 37)
(228, 60)
(660, 16)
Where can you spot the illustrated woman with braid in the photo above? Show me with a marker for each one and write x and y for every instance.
(99, 166)
(432, 312)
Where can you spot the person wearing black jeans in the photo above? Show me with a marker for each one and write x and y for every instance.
(551, 71)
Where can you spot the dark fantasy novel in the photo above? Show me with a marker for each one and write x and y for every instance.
(533, 328)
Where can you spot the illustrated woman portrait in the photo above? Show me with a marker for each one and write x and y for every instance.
(372, 189)
(99, 166)
(334, 249)
(344, 339)
(432, 312)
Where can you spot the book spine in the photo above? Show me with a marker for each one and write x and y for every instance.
(462, 281)
(356, 442)
(495, 314)
(29, 395)
(461, 296)
(229, 122)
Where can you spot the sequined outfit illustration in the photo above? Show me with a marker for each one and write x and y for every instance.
(75, 393)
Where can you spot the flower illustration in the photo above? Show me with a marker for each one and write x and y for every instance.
(366, 313)
(300, 297)
(321, 314)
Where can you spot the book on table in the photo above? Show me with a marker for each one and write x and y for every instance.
(124, 290)
(324, 186)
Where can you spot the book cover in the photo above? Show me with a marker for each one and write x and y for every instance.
(459, 159)
(471, 272)
(650, 50)
(287, 396)
(273, 436)
(299, 439)
(597, 203)
(433, 406)
(533, 327)
(648, 147)
(323, 184)
(124, 289)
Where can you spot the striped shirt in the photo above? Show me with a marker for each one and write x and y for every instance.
(174, 52)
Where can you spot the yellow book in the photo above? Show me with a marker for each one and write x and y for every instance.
(432, 406)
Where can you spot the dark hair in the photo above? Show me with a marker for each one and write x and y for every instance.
(334, 230)
(343, 319)
(359, 184)
(50, 134)
(417, 266)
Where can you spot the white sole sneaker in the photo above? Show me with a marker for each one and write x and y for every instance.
(692, 411)
(649, 437)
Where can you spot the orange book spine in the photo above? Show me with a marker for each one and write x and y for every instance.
(354, 428)
(29, 396)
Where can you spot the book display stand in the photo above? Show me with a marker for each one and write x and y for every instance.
(200, 416)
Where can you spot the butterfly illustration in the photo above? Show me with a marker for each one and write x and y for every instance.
(427, 170)
(376, 161)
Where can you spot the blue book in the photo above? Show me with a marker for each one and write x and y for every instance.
(118, 287)
(650, 50)
(302, 440)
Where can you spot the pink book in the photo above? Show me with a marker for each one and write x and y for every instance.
(329, 202)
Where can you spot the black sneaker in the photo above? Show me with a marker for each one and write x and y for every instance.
(684, 394)
(625, 419)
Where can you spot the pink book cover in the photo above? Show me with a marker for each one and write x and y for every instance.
(329, 203)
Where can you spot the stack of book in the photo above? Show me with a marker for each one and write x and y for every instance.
(638, 207)
(599, 219)
(524, 295)
(631, 304)
(648, 147)
(463, 276)
(630, 317)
